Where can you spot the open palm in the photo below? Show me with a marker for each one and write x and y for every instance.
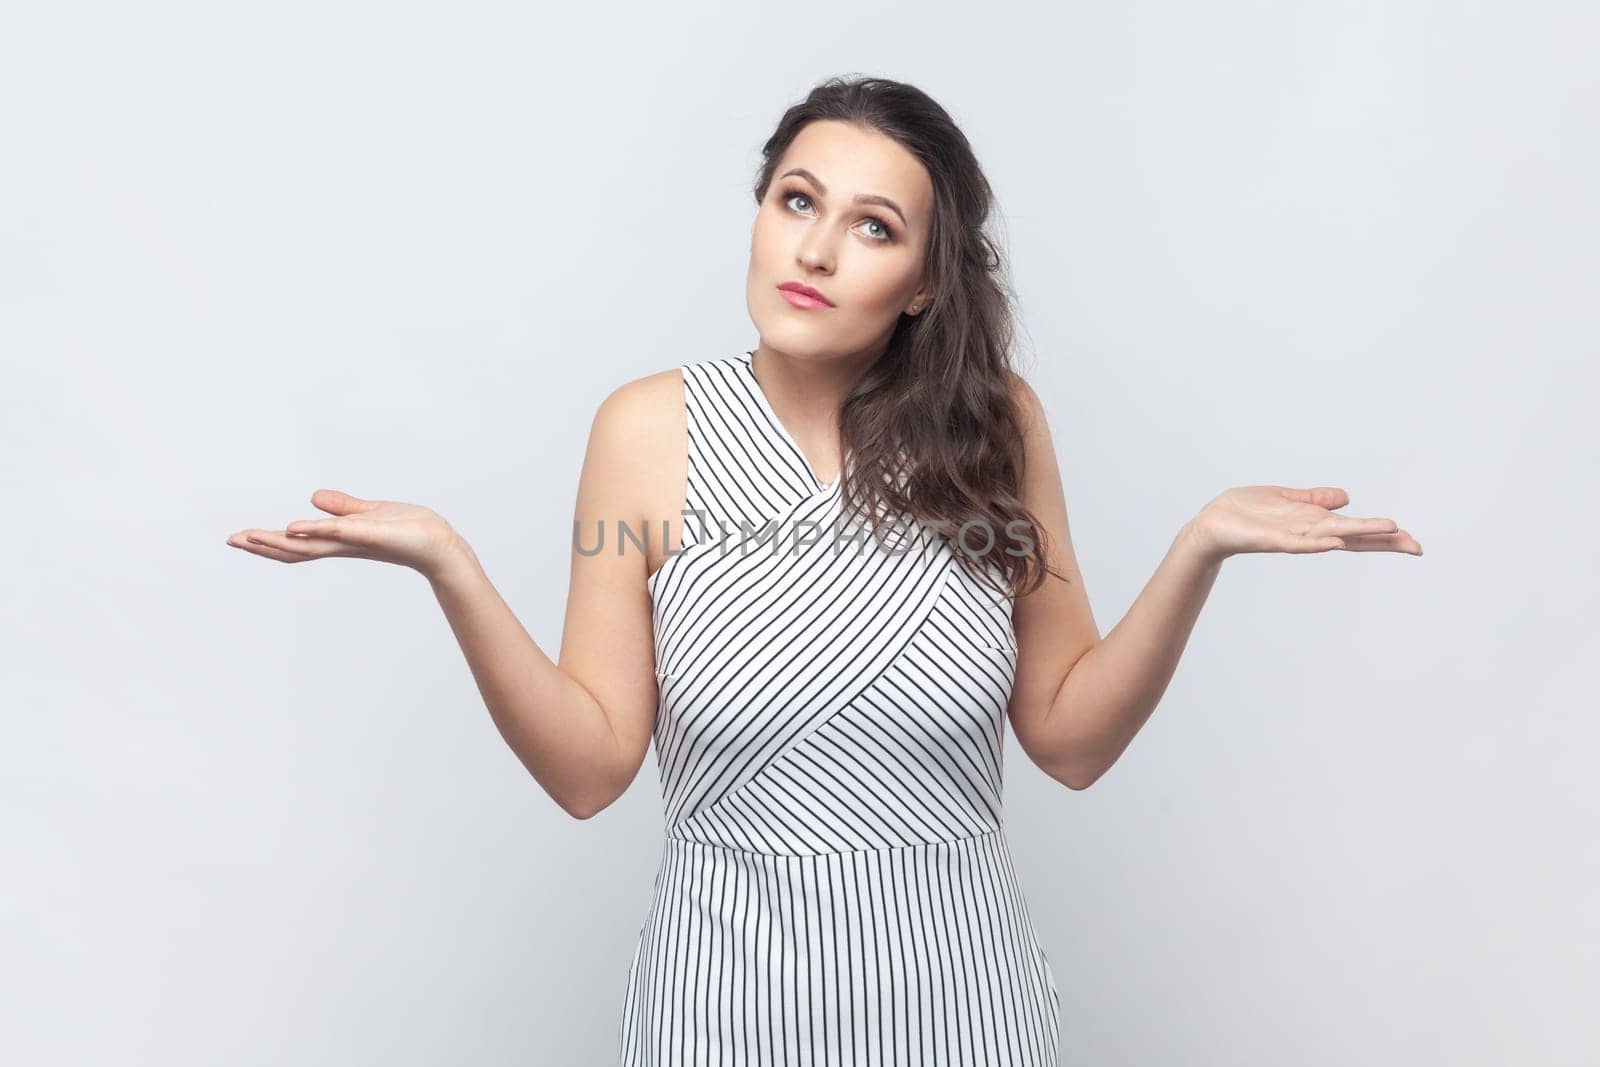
(385, 530)
(1274, 518)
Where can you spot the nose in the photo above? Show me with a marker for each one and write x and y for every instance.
(816, 252)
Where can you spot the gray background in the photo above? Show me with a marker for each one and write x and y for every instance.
(257, 814)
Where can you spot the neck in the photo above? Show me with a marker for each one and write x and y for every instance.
(808, 393)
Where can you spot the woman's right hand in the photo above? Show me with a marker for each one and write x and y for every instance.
(384, 530)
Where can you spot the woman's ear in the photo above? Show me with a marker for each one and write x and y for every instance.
(920, 299)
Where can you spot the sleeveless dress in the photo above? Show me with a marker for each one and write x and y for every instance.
(835, 886)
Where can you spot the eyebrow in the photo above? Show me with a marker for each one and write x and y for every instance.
(860, 198)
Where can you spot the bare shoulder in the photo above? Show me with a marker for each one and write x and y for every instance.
(634, 430)
(1037, 447)
(1028, 404)
(635, 467)
(640, 409)
(1041, 478)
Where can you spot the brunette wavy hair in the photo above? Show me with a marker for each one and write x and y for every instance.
(933, 430)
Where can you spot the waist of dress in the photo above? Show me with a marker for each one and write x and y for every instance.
(984, 839)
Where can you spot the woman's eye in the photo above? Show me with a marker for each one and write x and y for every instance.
(887, 234)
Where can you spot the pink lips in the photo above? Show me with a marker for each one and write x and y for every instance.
(800, 298)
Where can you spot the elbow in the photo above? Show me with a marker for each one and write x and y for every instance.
(1076, 783)
(580, 796)
(587, 805)
(585, 808)
(1066, 767)
(580, 812)
(1076, 775)
(1080, 783)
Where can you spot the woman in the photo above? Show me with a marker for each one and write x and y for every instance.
(828, 711)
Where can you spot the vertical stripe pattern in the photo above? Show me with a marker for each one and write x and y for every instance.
(835, 885)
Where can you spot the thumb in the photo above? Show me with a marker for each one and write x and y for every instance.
(1330, 497)
(336, 503)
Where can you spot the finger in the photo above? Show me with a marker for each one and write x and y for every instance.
(339, 503)
(1303, 543)
(1398, 541)
(292, 545)
(1316, 543)
(1346, 526)
(1323, 496)
(345, 531)
(257, 548)
(330, 528)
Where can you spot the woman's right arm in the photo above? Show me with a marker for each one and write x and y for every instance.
(581, 727)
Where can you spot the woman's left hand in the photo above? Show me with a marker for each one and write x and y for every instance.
(1273, 518)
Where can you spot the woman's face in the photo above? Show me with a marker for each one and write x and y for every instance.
(865, 258)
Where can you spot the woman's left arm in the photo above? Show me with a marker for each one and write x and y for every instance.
(1079, 699)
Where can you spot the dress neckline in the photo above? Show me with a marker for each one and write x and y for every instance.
(748, 359)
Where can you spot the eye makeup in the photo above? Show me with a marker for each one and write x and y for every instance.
(790, 192)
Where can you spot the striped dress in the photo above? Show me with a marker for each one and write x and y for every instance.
(835, 885)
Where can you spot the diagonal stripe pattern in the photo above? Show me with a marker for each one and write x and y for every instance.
(835, 885)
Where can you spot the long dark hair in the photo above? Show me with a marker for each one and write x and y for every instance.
(932, 429)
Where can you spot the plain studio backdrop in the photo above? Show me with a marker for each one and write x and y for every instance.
(257, 813)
